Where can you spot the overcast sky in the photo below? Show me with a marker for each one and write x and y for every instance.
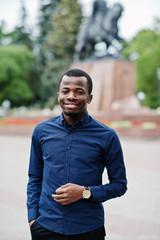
(137, 14)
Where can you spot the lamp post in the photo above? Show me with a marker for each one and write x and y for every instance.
(158, 76)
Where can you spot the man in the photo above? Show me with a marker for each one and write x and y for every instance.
(68, 156)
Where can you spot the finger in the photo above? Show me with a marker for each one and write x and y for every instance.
(59, 196)
(64, 186)
(60, 190)
(62, 201)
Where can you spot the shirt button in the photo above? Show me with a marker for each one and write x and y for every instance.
(68, 148)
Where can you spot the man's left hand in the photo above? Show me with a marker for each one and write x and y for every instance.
(68, 193)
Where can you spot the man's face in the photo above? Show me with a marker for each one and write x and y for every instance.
(73, 96)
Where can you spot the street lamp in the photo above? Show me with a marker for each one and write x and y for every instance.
(158, 76)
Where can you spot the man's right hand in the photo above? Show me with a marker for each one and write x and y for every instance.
(31, 222)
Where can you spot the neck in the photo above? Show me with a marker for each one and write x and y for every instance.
(71, 119)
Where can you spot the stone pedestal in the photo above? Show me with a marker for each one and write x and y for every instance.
(112, 80)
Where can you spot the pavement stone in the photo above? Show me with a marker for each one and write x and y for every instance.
(135, 216)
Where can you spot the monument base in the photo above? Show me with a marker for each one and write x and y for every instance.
(113, 80)
(114, 98)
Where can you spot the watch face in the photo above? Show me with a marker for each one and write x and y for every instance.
(86, 194)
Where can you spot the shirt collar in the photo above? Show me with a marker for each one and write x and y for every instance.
(84, 120)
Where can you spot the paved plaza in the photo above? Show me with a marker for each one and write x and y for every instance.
(135, 216)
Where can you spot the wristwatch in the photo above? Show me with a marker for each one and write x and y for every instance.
(86, 193)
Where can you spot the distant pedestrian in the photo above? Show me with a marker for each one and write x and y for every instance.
(68, 156)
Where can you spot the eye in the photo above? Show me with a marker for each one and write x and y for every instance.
(80, 92)
(64, 91)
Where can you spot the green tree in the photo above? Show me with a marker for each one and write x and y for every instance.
(146, 45)
(59, 46)
(15, 65)
(45, 24)
(5, 38)
(21, 34)
(20, 76)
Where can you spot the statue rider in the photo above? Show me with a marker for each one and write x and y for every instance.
(99, 11)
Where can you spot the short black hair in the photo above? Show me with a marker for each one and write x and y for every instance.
(77, 73)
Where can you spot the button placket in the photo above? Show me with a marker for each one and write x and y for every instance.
(66, 173)
(67, 155)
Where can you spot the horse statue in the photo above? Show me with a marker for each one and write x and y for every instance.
(101, 27)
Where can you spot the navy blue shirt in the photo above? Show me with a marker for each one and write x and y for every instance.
(78, 154)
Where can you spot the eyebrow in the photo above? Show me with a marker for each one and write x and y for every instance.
(78, 88)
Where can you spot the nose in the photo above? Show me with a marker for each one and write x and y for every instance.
(71, 95)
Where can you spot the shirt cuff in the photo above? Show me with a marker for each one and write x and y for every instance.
(32, 214)
(97, 193)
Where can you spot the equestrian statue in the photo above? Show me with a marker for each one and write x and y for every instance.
(100, 27)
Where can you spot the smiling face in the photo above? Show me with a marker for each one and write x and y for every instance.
(73, 97)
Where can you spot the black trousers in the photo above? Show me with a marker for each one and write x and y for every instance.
(40, 233)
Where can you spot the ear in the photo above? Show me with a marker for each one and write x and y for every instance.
(58, 96)
(90, 99)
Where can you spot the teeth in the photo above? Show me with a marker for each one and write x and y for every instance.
(71, 104)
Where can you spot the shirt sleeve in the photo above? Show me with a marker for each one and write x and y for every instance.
(35, 173)
(114, 164)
